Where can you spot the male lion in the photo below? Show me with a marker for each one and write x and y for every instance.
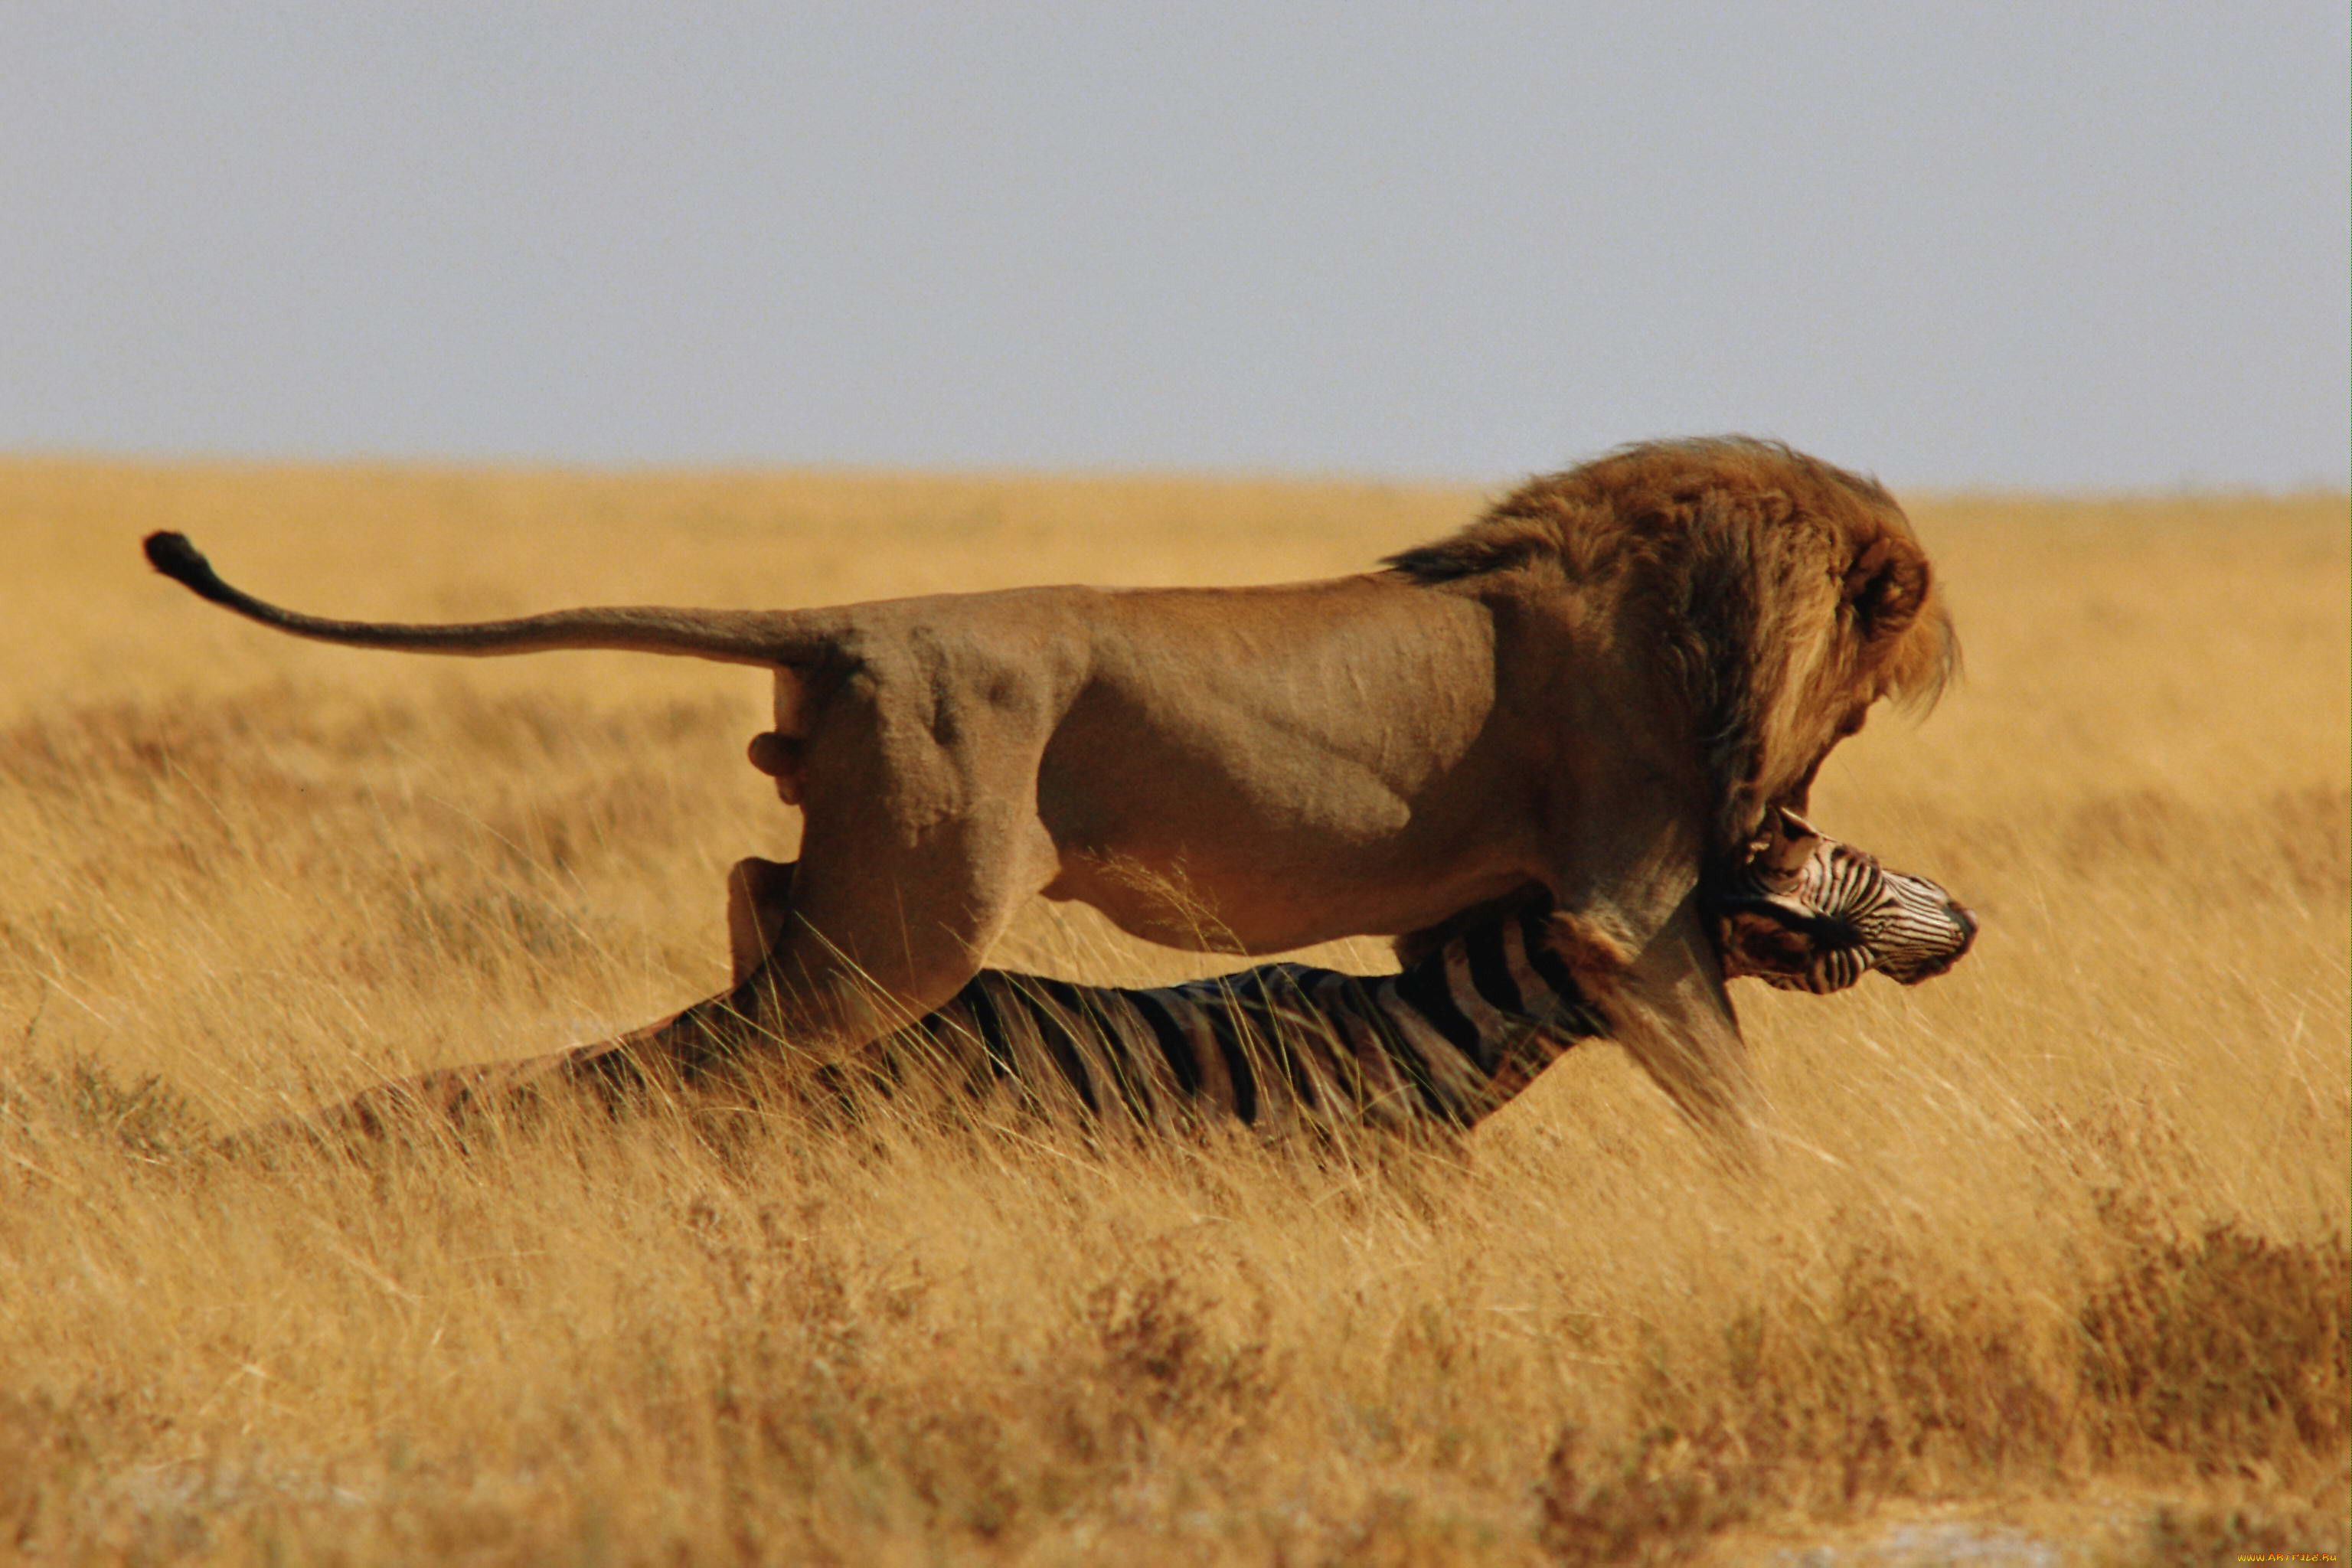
(1600, 686)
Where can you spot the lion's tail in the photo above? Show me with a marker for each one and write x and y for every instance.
(733, 637)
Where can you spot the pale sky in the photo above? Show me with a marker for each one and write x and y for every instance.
(2051, 245)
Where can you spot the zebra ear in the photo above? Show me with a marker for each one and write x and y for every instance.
(1788, 845)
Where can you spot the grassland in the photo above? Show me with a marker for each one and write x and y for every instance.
(2055, 1248)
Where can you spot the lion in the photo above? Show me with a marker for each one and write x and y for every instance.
(1601, 686)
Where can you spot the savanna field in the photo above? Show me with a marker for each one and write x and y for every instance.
(2050, 1262)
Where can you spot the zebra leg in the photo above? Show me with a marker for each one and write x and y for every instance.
(759, 900)
(429, 1103)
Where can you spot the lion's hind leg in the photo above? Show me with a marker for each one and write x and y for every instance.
(920, 839)
(759, 902)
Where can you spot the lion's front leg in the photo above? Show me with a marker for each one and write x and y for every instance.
(1630, 928)
(1667, 1006)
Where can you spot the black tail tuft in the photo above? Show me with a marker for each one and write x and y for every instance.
(173, 555)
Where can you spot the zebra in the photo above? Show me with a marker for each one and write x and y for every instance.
(1809, 913)
(1474, 1013)
(1469, 1020)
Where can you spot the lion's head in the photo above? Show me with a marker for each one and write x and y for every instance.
(1784, 595)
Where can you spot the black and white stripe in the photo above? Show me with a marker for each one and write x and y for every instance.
(1835, 917)
(1444, 1041)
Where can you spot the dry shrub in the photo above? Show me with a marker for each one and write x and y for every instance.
(1162, 1363)
(2224, 1355)
(2228, 1350)
(1645, 1501)
(2191, 1536)
(77, 1103)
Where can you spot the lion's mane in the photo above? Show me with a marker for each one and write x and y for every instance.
(1784, 594)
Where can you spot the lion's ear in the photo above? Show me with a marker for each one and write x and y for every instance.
(1886, 586)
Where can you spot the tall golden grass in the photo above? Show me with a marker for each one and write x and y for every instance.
(2054, 1249)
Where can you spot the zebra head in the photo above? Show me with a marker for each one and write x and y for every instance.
(1809, 913)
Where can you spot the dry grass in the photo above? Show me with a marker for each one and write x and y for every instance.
(2056, 1245)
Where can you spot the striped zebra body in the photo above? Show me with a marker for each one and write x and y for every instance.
(1442, 1042)
(1445, 1041)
